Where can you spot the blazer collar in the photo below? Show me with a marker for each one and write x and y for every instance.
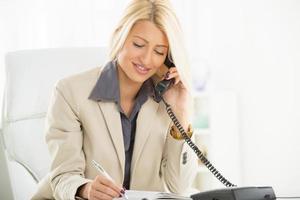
(107, 86)
(112, 118)
(146, 119)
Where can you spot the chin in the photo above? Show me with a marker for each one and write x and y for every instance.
(138, 79)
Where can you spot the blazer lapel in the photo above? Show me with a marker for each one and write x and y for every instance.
(146, 118)
(113, 122)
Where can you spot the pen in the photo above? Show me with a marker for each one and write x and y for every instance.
(104, 173)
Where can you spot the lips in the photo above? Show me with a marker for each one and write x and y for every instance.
(140, 69)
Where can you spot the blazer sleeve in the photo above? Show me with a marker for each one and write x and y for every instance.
(179, 165)
(64, 138)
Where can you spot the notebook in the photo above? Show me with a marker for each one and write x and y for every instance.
(149, 195)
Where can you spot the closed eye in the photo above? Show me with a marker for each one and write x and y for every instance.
(137, 45)
(159, 53)
(140, 46)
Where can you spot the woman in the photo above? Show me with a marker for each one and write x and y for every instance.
(110, 114)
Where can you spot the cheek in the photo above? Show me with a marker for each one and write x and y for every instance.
(157, 68)
(157, 64)
(160, 68)
(128, 54)
(123, 55)
(124, 59)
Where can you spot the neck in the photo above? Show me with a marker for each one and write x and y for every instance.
(128, 88)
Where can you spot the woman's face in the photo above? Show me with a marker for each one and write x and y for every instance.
(144, 51)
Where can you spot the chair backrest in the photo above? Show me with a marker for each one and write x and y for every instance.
(30, 78)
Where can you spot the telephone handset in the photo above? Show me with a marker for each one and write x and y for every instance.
(162, 86)
(236, 193)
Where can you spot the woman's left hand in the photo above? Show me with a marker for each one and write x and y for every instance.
(179, 98)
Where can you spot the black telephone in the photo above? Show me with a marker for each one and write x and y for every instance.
(232, 192)
(162, 86)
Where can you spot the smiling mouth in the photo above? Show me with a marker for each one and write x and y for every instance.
(140, 69)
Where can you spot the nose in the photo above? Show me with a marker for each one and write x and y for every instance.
(147, 57)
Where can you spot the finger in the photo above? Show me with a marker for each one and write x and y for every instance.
(100, 196)
(109, 191)
(94, 194)
(173, 75)
(107, 182)
(172, 69)
(177, 81)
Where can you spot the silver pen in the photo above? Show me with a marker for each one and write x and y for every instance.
(105, 174)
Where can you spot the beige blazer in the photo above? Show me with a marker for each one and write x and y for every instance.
(80, 130)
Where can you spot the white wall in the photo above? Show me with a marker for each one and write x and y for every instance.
(254, 49)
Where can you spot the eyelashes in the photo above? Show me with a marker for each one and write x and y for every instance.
(137, 45)
(141, 46)
(161, 54)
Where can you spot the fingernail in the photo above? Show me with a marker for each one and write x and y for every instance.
(123, 191)
(167, 75)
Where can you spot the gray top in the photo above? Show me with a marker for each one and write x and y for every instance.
(107, 89)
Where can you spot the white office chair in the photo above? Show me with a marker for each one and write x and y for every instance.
(30, 78)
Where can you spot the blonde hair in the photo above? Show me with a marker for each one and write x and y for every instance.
(162, 15)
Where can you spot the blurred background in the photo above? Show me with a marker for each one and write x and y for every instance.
(245, 57)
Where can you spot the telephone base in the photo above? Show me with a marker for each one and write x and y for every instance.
(237, 193)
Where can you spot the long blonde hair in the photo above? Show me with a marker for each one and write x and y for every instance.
(161, 13)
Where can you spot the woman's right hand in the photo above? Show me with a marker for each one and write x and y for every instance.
(101, 188)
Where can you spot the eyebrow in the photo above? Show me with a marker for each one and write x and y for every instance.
(160, 45)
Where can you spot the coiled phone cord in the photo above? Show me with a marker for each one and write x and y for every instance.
(200, 155)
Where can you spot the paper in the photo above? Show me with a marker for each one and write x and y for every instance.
(147, 195)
